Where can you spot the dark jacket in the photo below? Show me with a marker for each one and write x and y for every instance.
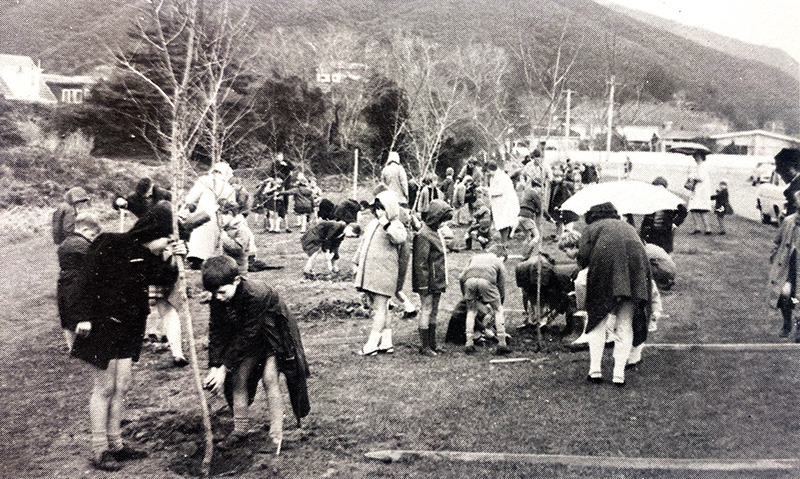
(788, 193)
(115, 299)
(347, 211)
(618, 268)
(71, 279)
(531, 204)
(64, 215)
(429, 267)
(256, 323)
(447, 187)
(657, 228)
(722, 204)
(325, 235)
(303, 200)
(139, 205)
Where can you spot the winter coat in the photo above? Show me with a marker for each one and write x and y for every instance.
(71, 279)
(204, 195)
(505, 204)
(489, 267)
(658, 228)
(429, 252)
(244, 199)
(427, 194)
(394, 176)
(475, 172)
(139, 205)
(447, 187)
(237, 240)
(559, 193)
(256, 323)
(618, 268)
(115, 297)
(64, 215)
(378, 256)
(784, 251)
(700, 198)
(531, 204)
(788, 193)
(347, 211)
(303, 200)
(722, 205)
(325, 235)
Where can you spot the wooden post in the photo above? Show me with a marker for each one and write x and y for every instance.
(355, 174)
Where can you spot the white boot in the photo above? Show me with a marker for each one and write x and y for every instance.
(371, 348)
(385, 346)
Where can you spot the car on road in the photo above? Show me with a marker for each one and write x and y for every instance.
(770, 201)
(762, 172)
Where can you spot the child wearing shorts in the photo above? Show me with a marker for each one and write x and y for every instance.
(483, 280)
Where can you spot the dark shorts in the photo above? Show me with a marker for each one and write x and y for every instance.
(481, 290)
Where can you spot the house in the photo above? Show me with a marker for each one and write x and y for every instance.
(640, 137)
(754, 142)
(337, 72)
(23, 80)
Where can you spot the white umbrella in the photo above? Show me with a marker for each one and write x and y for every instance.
(628, 197)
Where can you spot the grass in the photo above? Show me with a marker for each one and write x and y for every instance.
(680, 404)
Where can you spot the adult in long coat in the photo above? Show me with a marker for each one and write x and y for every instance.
(700, 204)
(618, 283)
(504, 200)
(378, 267)
(784, 272)
(394, 176)
(205, 196)
(75, 201)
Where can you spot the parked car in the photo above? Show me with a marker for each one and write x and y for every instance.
(770, 200)
(762, 172)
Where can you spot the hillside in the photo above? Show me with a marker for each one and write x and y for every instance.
(770, 56)
(744, 87)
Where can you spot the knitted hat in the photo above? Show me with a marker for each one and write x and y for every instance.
(157, 223)
(660, 181)
(600, 212)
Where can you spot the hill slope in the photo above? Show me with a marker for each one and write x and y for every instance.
(748, 91)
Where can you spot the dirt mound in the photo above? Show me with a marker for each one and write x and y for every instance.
(336, 309)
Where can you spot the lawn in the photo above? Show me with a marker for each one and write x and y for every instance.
(677, 404)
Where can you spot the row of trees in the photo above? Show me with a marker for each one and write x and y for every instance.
(201, 82)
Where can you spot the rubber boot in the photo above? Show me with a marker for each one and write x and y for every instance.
(425, 348)
(787, 322)
(432, 339)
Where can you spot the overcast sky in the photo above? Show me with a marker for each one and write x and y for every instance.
(775, 23)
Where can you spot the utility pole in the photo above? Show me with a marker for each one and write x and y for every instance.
(610, 119)
(569, 108)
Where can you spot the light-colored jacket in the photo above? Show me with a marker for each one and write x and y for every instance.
(205, 194)
(505, 204)
(378, 255)
(394, 176)
(700, 198)
(786, 241)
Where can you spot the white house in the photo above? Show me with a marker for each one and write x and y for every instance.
(21, 79)
(754, 142)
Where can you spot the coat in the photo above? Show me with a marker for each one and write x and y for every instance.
(115, 297)
(325, 235)
(505, 204)
(618, 267)
(447, 187)
(658, 227)
(237, 241)
(700, 198)
(378, 256)
(786, 242)
(489, 267)
(71, 279)
(722, 204)
(205, 194)
(394, 176)
(256, 323)
(429, 252)
(303, 200)
(64, 215)
(531, 204)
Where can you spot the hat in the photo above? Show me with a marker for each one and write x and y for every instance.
(223, 168)
(787, 158)
(76, 195)
(393, 157)
(157, 223)
(660, 181)
(468, 178)
(600, 212)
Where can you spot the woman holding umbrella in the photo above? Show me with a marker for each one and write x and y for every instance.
(699, 183)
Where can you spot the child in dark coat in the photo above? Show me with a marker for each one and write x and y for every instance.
(429, 271)
(722, 205)
(324, 238)
(119, 268)
(480, 229)
(72, 278)
(252, 337)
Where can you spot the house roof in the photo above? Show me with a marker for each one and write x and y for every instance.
(67, 79)
(46, 94)
(681, 134)
(769, 134)
(4, 90)
(639, 133)
(16, 61)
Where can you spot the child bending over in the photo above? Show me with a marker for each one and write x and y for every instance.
(483, 280)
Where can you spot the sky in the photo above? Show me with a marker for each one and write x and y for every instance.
(773, 23)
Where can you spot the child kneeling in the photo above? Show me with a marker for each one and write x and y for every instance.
(252, 337)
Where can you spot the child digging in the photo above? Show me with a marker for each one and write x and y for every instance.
(252, 337)
(484, 281)
(119, 268)
(72, 278)
(429, 271)
(324, 239)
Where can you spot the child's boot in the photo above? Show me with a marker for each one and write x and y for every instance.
(432, 339)
(371, 348)
(424, 340)
(787, 325)
(385, 345)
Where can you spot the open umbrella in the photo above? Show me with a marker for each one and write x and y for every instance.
(628, 197)
(687, 148)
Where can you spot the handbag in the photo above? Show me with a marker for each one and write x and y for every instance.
(690, 183)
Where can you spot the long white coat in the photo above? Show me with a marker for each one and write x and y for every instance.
(205, 194)
(700, 199)
(505, 204)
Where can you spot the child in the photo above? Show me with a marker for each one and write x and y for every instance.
(378, 267)
(242, 197)
(722, 205)
(427, 193)
(119, 268)
(429, 271)
(252, 337)
(236, 237)
(72, 278)
(447, 186)
(480, 229)
(784, 270)
(324, 238)
(483, 280)
(303, 202)
(269, 197)
(75, 201)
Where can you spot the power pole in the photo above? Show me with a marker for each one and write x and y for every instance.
(610, 125)
(569, 108)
